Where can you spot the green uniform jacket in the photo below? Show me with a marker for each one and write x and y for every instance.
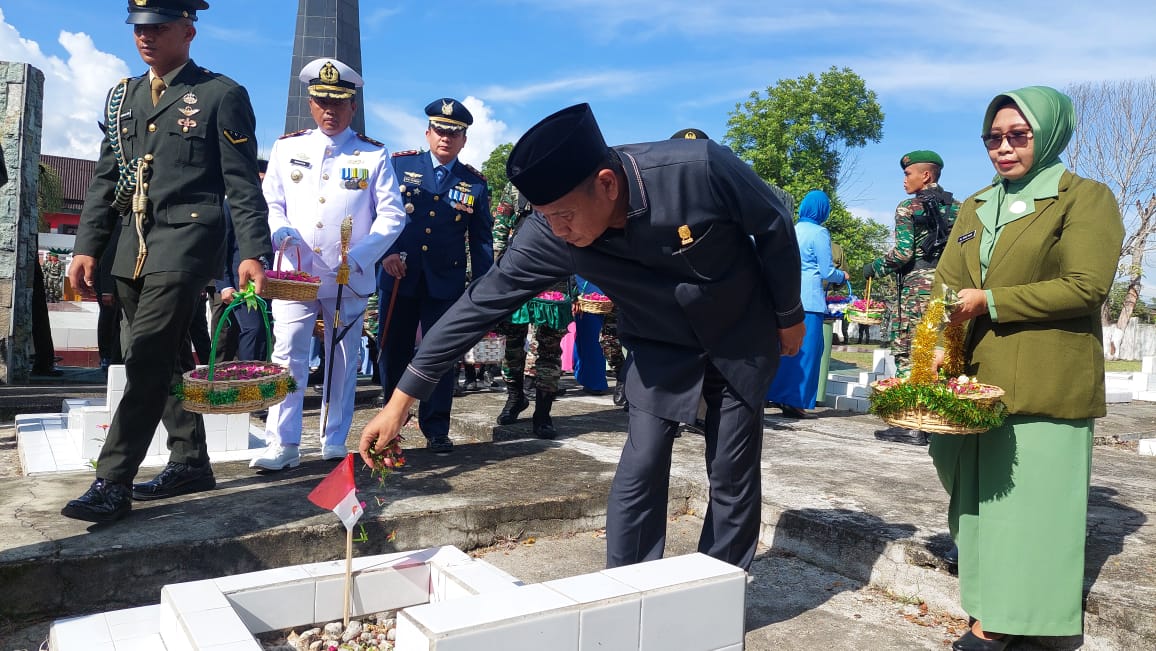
(201, 138)
(1049, 274)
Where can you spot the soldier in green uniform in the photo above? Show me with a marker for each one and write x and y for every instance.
(922, 224)
(177, 140)
(53, 277)
(549, 326)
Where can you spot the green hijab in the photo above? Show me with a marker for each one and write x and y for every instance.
(1052, 119)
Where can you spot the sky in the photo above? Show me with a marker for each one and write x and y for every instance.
(647, 67)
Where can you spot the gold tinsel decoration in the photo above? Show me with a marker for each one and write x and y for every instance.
(194, 393)
(249, 393)
(923, 345)
(927, 336)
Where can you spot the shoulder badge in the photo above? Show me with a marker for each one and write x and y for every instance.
(294, 134)
(235, 137)
(371, 141)
(474, 170)
(408, 152)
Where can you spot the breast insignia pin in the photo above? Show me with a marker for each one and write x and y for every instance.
(684, 233)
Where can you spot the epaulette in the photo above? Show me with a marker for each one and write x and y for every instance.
(475, 171)
(408, 152)
(294, 134)
(371, 141)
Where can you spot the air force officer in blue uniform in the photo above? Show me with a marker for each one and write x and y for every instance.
(699, 256)
(448, 204)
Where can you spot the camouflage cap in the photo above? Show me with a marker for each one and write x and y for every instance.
(920, 156)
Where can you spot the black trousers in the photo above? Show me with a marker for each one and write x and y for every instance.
(396, 351)
(639, 495)
(158, 308)
(45, 356)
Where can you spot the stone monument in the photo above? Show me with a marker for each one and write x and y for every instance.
(325, 28)
(21, 114)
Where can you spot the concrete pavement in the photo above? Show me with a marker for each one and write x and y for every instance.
(836, 502)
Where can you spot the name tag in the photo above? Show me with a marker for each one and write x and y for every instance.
(303, 163)
(965, 237)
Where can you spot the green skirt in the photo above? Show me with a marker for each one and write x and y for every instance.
(1018, 513)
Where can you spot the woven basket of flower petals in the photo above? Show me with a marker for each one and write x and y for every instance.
(490, 349)
(922, 418)
(235, 387)
(290, 285)
(595, 303)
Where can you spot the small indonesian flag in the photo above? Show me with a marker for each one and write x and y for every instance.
(338, 493)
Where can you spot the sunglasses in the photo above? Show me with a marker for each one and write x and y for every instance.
(1014, 138)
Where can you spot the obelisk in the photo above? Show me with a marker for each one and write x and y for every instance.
(325, 28)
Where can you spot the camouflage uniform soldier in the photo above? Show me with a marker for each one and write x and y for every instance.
(922, 225)
(53, 278)
(546, 343)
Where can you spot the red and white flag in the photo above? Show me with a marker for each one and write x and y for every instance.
(338, 493)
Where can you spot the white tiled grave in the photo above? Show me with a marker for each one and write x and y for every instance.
(448, 602)
(71, 440)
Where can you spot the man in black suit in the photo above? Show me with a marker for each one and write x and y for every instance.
(699, 255)
(177, 140)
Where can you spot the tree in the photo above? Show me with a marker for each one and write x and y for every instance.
(800, 136)
(1115, 142)
(1116, 300)
(49, 195)
(495, 168)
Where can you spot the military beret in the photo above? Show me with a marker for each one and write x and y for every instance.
(448, 113)
(330, 78)
(690, 134)
(556, 154)
(920, 156)
(155, 12)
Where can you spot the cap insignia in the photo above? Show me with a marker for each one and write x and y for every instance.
(329, 73)
(140, 3)
(690, 136)
(447, 108)
(684, 233)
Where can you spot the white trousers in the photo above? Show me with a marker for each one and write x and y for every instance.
(293, 323)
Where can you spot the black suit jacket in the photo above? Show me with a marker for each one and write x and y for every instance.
(201, 137)
(719, 298)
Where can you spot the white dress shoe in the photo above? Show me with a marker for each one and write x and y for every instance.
(277, 457)
(333, 452)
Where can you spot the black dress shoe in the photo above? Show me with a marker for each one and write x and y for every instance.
(951, 556)
(620, 394)
(440, 445)
(379, 401)
(902, 435)
(971, 642)
(104, 501)
(176, 479)
(793, 412)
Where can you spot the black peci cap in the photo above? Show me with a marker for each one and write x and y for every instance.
(557, 154)
(155, 12)
(690, 134)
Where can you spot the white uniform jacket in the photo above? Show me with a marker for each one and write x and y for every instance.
(313, 183)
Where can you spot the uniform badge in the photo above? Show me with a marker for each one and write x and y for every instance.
(189, 111)
(189, 98)
(409, 208)
(296, 176)
(684, 233)
(235, 137)
(187, 123)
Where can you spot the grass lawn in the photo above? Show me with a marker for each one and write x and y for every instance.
(841, 361)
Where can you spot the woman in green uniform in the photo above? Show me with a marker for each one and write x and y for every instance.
(1032, 257)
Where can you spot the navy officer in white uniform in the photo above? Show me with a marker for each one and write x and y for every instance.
(318, 178)
(699, 256)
